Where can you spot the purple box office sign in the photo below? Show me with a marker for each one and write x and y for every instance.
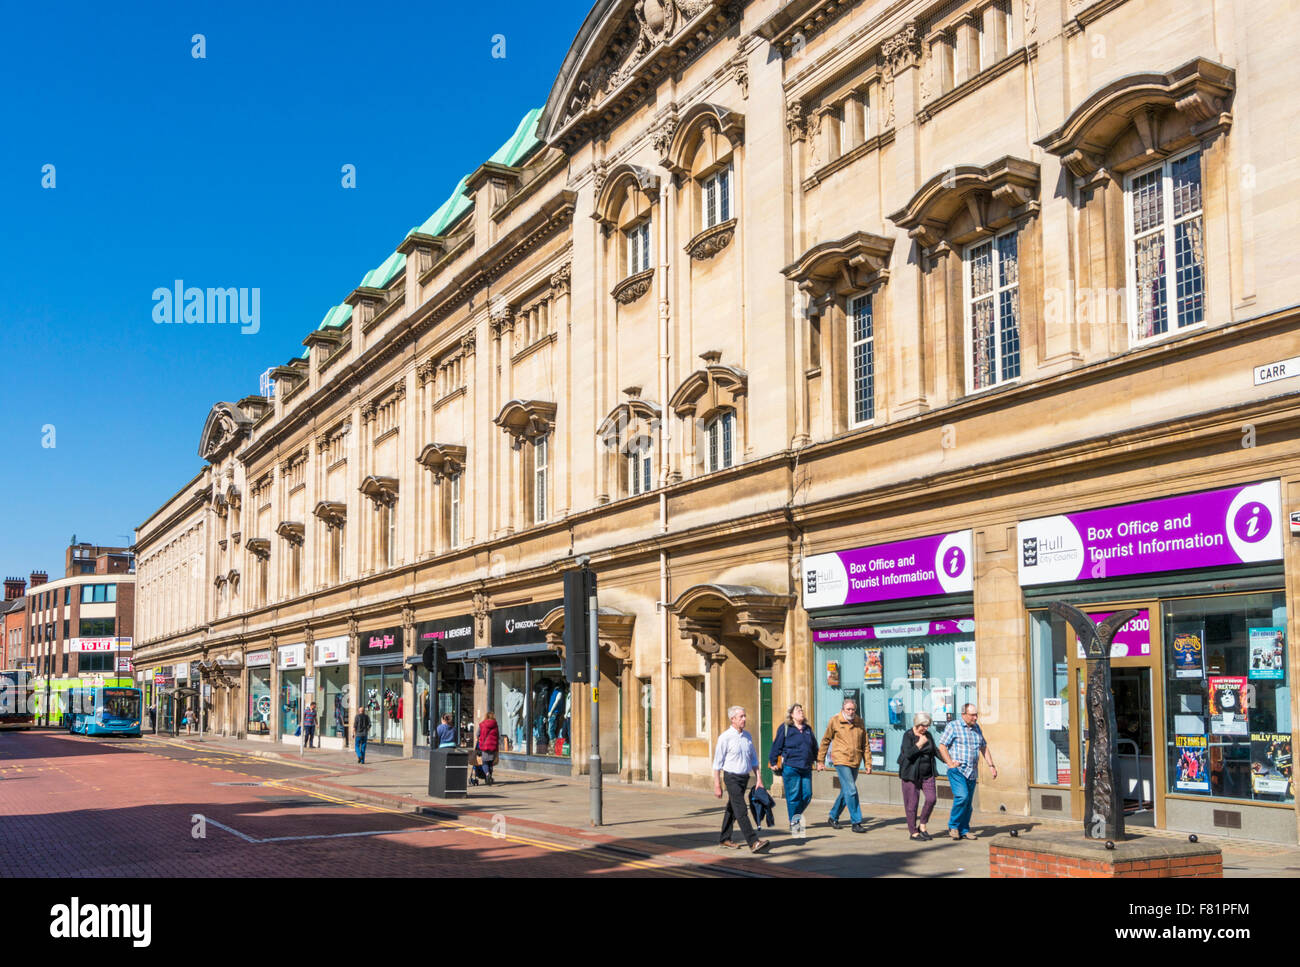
(921, 567)
(914, 629)
(1237, 525)
(1133, 640)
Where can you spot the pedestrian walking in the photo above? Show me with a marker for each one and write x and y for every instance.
(489, 742)
(734, 760)
(446, 733)
(361, 734)
(153, 718)
(309, 725)
(846, 739)
(960, 746)
(794, 750)
(916, 769)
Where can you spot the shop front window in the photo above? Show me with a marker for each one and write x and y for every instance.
(331, 700)
(892, 678)
(550, 710)
(372, 697)
(1049, 668)
(422, 697)
(1228, 697)
(510, 702)
(290, 701)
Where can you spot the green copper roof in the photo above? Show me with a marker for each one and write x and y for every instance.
(380, 277)
(521, 143)
(448, 211)
(336, 318)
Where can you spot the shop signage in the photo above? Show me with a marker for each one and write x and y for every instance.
(99, 644)
(163, 680)
(921, 567)
(1131, 641)
(453, 634)
(382, 643)
(293, 656)
(522, 625)
(916, 629)
(258, 659)
(1282, 369)
(332, 651)
(124, 665)
(1237, 525)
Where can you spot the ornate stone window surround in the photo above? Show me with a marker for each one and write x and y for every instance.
(706, 140)
(624, 202)
(954, 210)
(830, 275)
(631, 427)
(706, 393)
(1133, 124)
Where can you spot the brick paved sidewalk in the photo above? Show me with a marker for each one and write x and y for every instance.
(646, 819)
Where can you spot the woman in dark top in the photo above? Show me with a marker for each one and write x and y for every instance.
(797, 744)
(917, 770)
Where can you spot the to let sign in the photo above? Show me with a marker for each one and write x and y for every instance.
(1272, 372)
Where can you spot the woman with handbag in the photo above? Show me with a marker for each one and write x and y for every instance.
(794, 751)
(489, 740)
(917, 770)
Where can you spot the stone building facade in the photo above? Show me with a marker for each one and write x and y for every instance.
(831, 332)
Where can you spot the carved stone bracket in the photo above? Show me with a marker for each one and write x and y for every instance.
(633, 287)
(526, 420)
(708, 611)
(711, 241)
(381, 490)
(841, 267)
(796, 119)
(442, 460)
(292, 531)
(334, 513)
(560, 280)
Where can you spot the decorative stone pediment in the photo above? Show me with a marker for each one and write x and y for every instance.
(382, 490)
(259, 547)
(526, 420)
(613, 632)
(629, 424)
(699, 123)
(967, 202)
(226, 426)
(233, 577)
(708, 612)
(442, 460)
(613, 195)
(292, 531)
(1144, 117)
(842, 267)
(710, 389)
(334, 513)
(622, 50)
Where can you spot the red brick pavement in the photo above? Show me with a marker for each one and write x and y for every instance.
(72, 806)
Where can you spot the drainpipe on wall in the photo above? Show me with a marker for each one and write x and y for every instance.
(665, 663)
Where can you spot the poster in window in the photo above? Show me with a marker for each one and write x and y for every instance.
(1270, 764)
(873, 671)
(915, 664)
(964, 658)
(1052, 717)
(1228, 705)
(1192, 771)
(876, 742)
(1189, 651)
(1267, 646)
(941, 705)
(833, 674)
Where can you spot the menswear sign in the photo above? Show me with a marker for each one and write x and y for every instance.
(1237, 525)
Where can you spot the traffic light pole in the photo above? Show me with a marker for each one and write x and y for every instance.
(596, 790)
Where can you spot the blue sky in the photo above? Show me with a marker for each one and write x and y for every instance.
(221, 171)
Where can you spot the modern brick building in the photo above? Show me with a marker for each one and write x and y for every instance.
(843, 337)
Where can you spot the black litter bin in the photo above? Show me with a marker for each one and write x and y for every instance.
(448, 773)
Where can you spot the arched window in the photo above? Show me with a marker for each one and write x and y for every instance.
(711, 402)
(629, 434)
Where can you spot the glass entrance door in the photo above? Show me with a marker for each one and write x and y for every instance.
(1139, 715)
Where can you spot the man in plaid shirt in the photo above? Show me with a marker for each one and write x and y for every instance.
(960, 746)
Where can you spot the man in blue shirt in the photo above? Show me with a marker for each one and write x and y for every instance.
(960, 747)
(734, 759)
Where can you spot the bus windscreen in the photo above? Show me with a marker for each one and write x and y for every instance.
(122, 703)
